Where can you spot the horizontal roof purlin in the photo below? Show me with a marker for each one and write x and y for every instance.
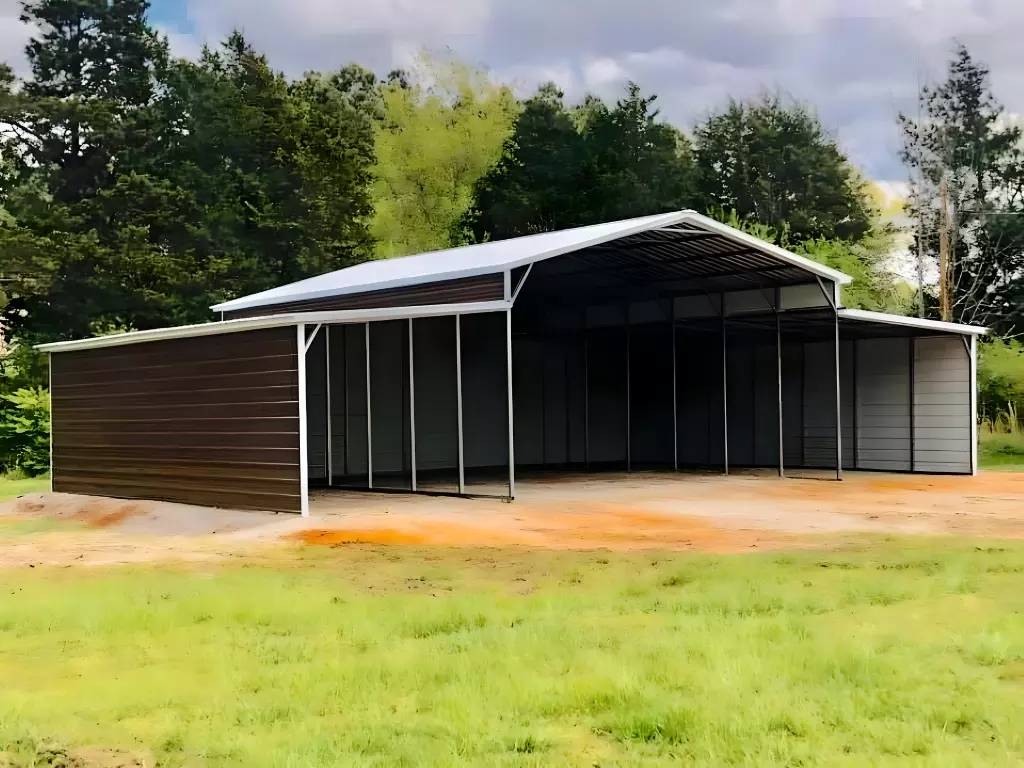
(503, 255)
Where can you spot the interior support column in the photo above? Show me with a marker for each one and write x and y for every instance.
(511, 415)
(778, 363)
(412, 407)
(303, 426)
(839, 409)
(675, 391)
(629, 402)
(369, 416)
(725, 388)
(327, 367)
(458, 393)
(586, 394)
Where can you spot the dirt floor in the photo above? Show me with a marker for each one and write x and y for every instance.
(744, 512)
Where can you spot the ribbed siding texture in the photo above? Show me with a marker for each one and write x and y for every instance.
(210, 421)
(942, 406)
(883, 404)
(463, 290)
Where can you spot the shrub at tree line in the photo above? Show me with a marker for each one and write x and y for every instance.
(137, 188)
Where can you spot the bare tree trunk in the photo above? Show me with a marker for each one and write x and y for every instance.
(945, 304)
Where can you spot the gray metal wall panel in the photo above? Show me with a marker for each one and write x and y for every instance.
(741, 404)
(354, 393)
(766, 410)
(556, 402)
(484, 394)
(607, 395)
(942, 388)
(793, 404)
(651, 395)
(883, 404)
(848, 404)
(436, 402)
(389, 396)
(528, 394)
(819, 426)
(699, 382)
(316, 406)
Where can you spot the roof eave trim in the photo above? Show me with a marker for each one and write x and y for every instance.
(867, 316)
(340, 317)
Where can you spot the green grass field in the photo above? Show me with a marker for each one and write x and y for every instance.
(887, 653)
(13, 487)
(1001, 451)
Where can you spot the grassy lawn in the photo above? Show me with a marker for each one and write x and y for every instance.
(13, 488)
(1004, 452)
(887, 653)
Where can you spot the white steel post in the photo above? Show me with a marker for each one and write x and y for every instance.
(330, 447)
(839, 410)
(458, 390)
(303, 428)
(675, 390)
(511, 415)
(412, 407)
(369, 416)
(974, 404)
(778, 364)
(725, 390)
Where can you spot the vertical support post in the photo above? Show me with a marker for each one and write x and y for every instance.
(458, 392)
(778, 365)
(586, 394)
(839, 410)
(725, 388)
(629, 401)
(49, 394)
(412, 406)
(369, 416)
(327, 368)
(911, 377)
(974, 404)
(856, 426)
(511, 415)
(344, 386)
(300, 340)
(675, 390)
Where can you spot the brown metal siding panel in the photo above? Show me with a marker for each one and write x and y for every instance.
(466, 289)
(211, 421)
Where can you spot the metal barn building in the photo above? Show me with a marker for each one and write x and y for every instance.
(670, 341)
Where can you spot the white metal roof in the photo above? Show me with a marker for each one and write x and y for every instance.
(499, 256)
(274, 321)
(865, 316)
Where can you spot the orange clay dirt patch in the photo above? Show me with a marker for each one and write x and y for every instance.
(749, 511)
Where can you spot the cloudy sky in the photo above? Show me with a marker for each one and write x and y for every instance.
(859, 61)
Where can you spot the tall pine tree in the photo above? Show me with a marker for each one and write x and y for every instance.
(964, 149)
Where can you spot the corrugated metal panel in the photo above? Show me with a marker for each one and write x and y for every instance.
(211, 421)
(710, 248)
(942, 406)
(883, 404)
(468, 289)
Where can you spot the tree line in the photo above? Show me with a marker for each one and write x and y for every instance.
(138, 188)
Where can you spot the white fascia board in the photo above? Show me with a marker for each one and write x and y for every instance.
(257, 300)
(340, 317)
(864, 315)
(692, 217)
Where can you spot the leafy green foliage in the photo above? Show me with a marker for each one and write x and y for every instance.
(1001, 384)
(439, 134)
(566, 167)
(772, 162)
(964, 143)
(25, 431)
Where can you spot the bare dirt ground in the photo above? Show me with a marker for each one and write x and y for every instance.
(744, 512)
